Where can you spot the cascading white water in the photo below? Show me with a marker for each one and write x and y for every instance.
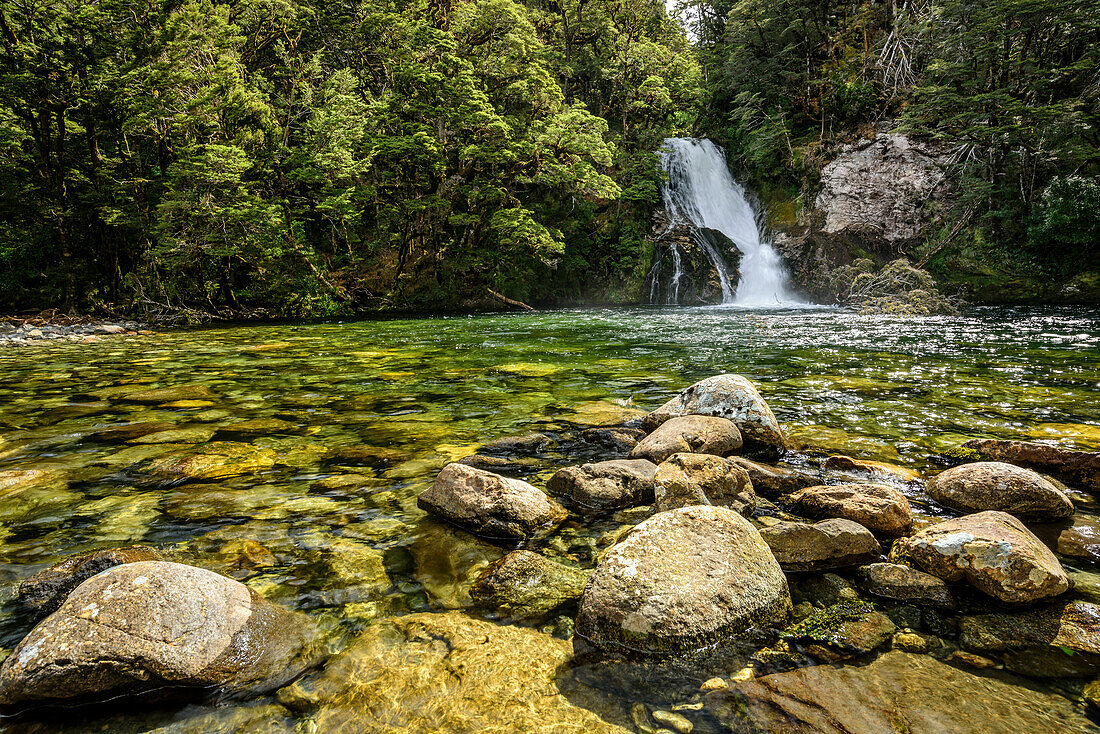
(700, 191)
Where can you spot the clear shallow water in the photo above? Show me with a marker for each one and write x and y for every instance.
(422, 392)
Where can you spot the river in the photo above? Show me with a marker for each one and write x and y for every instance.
(412, 394)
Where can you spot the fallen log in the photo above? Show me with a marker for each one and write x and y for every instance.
(509, 301)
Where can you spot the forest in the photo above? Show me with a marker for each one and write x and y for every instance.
(329, 157)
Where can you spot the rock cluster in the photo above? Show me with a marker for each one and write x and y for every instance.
(660, 549)
(702, 557)
(34, 331)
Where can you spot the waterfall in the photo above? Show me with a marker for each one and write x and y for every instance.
(701, 192)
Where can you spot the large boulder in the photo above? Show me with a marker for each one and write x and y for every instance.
(992, 550)
(732, 397)
(1080, 468)
(900, 583)
(526, 585)
(702, 479)
(605, 486)
(897, 692)
(878, 507)
(836, 543)
(490, 505)
(45, 591)
(993, 485)
(681, 580)
(426, 673)
(152, 625)
(1058, 641)
(689, 434)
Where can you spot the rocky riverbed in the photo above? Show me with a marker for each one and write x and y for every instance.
(270, 475)
(691, 572)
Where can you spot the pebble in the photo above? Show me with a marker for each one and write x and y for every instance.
(743, 674)
(971, 660)
(714, 684)
(673, 721)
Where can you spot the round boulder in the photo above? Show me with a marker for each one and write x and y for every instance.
(145, 626)
(682, 580)
(992, 550)
(689, 434)
(702, 479)
(490, 505)
(727, 396)
(836, 543)
(993, 485)
(605, 486)
(877, 507)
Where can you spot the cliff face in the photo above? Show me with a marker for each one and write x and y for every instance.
(878, 199)
(682, 248)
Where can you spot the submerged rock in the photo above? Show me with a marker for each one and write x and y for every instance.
(992, 550)
(727, 396)
(162, 395)
(256, 427)
(25, 493)
(448, 561)
(836, 543)
(619, 440)
(682, 580)
(882, 469)
(46, 590)
(1058, 641)
(690, 434)
(1076, 537)
(490, 505)
(144, 626)
(702, 479)
(525, 585)
(526, 445)
(128, 431)
(774, 480)
(427, 673)
(842, 631)
(1080, 468)
(605, 486)
(375, 457)
(901, 583)
(898, 692)
(211, 462)
(992, 485)
(878, 507)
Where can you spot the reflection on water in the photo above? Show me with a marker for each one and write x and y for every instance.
(295, 463)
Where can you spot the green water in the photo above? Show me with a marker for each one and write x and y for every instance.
(422, 392)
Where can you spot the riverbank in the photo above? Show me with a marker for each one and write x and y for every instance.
(23, 332)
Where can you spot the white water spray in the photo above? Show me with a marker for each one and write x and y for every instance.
(701, 192)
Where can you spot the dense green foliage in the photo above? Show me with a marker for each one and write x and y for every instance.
(314, 157)
(1011, 88)
(319, 156)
